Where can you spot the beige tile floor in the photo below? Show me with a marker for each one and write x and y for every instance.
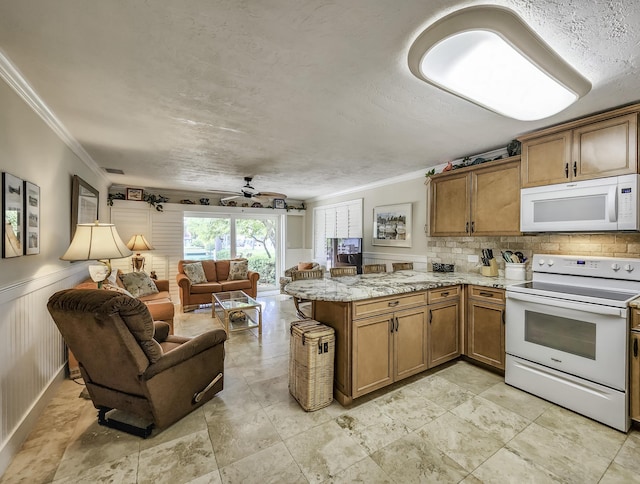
(458, 423)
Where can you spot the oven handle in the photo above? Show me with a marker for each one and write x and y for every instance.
(563, 303)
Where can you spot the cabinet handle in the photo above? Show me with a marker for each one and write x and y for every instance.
(466, 227)
(566, 170)
(397, 324)
(430, 316)
(502, 315)
(444, 294)
(575, 168)
(473, 227)
(393, 304)
(486, 294)
(391, 325)
(635, 348)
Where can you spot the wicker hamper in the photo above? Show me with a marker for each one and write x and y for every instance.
(311, 355)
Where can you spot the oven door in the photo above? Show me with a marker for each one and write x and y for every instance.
(585, 340)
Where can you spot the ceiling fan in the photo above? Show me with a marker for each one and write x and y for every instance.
(247, 191)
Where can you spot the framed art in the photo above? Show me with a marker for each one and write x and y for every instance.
(31, 218)
(84, 203)
(135, 194)
(279, 203)
(12, 208)
(392, 225)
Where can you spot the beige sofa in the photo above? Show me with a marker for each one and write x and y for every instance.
(217, 274)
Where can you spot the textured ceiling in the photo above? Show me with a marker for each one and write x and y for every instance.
(309, 97)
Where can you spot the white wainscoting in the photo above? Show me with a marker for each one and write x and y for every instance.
(419, 262)
(32, 355)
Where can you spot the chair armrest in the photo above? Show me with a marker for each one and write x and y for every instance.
(162, 284)
(184, 352)
(161, 331)
(183, 281)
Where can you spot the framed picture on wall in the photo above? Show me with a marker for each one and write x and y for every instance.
(392, 225)
(279, 203)
(84, 203)
(12, 209)
(135, 194)
(31, 218)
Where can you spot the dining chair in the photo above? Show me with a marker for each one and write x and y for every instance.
(300, 276)
(343, 271)
(402, 266)
(373, 268)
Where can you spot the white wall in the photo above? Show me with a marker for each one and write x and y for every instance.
(411, 191)
(32, 355)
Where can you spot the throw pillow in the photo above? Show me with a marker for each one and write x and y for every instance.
(238, 270)
(195, 272)
(305, 266)
(138, 284)
(112, 287)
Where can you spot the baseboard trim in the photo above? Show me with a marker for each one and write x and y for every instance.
(11, 446)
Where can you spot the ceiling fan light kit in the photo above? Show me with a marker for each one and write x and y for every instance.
(488, 55)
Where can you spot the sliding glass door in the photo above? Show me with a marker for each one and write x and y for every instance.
(227, 236)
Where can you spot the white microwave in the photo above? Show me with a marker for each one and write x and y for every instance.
(604, 204)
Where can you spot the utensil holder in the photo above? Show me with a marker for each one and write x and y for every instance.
(491, 270)
(515, 271)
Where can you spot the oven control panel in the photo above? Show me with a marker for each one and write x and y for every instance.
(609, 267)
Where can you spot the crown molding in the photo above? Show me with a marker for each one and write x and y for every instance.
(16, 81)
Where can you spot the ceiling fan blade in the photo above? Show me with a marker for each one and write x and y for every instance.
(270, 195)
(224, 199)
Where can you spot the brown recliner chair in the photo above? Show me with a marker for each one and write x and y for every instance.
(130, 364)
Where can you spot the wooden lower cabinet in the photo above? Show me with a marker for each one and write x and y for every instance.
(485, 325)
(634, 376)
(388, 348)
(445, 321)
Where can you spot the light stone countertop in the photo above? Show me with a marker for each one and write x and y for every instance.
(367, 286)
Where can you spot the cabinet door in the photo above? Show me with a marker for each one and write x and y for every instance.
(607, 148)
(444, 332)
(546, 160)
(634, 375)
(372, 354)
(485, 333)
(495, 200)
(450, 205)
(410, 342)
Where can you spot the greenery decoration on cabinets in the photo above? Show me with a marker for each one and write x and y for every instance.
(114, 196)
(430, 173)
(155, 201)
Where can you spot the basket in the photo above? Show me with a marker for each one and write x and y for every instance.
(311, 355)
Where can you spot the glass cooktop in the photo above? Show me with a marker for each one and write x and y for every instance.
(566, 290)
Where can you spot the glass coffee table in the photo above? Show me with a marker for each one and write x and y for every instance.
(236, 311)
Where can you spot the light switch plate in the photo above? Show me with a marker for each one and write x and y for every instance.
(473, 258)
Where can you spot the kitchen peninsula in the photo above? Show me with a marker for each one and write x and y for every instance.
(390, 326)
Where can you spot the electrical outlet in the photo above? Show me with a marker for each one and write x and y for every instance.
(473, 258)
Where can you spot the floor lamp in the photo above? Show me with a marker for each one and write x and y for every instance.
(99, 242)
(137, 243)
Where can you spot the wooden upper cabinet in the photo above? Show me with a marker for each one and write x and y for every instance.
(450, 204)
(495, 200)
(545, 160)
(607, 148)
(478, 200)
(595, 147)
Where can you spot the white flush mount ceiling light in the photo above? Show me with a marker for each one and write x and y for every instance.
(489, 56)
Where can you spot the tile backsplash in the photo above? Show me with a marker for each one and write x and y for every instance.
(455, 250)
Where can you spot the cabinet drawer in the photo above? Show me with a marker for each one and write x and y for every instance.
(369, 307)
(487, 293)
(443, 293)
(635, 319)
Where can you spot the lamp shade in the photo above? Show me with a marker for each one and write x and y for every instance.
(138, 243)
(96, 241)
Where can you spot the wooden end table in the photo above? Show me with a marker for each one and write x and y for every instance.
(224, 304)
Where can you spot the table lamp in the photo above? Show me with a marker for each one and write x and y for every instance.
(137, 243)
(99, 242)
